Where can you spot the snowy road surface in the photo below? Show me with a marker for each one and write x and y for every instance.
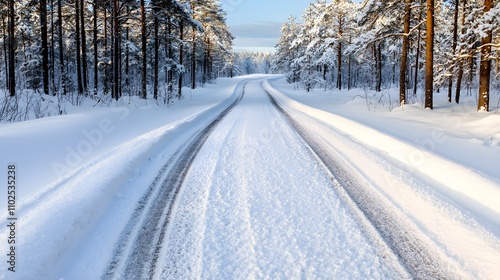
(259, 186)
(257, 205)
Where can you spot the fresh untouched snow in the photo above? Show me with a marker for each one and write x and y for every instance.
(256, 202)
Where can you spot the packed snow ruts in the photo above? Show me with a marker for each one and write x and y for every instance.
(412, 252)
(258, 204)
(143, 252)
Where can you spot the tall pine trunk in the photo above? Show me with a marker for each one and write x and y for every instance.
(120, 61)
(156, 54)
(379, 68)
(78, 48)
(461, 63)
(85, 77)
(339, 66)
(52, 61)
(417, 56)
(377, 54)
(339, 55)
(144, 49)
(62, 67)
(116, 52)
(472, 64)
(485, 67)
(106, 57)
(429, 57)
(181, 58)
(12, 50)
(193, 56)
(45, 46)
(205, 61)
(193, 62)
(127, 60)
(170, 55)
(5, 53)
(96, 49)
(453, 48)
(349, 85)
(404, 53)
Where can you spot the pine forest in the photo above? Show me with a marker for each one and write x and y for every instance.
(434, 45)
(61, 52)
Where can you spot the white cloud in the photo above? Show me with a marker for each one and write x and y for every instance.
(259, 36)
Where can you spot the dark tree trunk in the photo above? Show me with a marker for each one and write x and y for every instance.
(394, 59)
(459, 81)
(5, 53)
(339, 56)
(52, 51)
(404, 53)
(12, 50)
(193, 62)
(209, 57)
(429, 57)
(96, 48)
(417, 56)
(106, 57)
(349, 66)
(144, 49)
(181, 58)
(45, 46)
(78, 48)
(377, 54)
(84, 48)
(116, 52)
(157, 55)
(453, 48)
(205, 62)
(193, 56)
(325, 71)
(339, 66)
(170, 55)
(379, 67)
(61, 48)
(485, 67)
(461, 63)
(472, 64)
(120, 38)
(127, 61)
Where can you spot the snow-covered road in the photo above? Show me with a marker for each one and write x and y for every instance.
(257, 204)
(256, 185)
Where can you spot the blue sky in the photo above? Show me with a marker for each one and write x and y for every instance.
(256, 24)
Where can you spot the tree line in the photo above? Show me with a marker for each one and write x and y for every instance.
(436, 45)
(109, 47)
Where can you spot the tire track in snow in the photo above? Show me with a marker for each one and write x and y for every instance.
(184, 255)
(411, 251)
(273, 189)
(137, 251)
